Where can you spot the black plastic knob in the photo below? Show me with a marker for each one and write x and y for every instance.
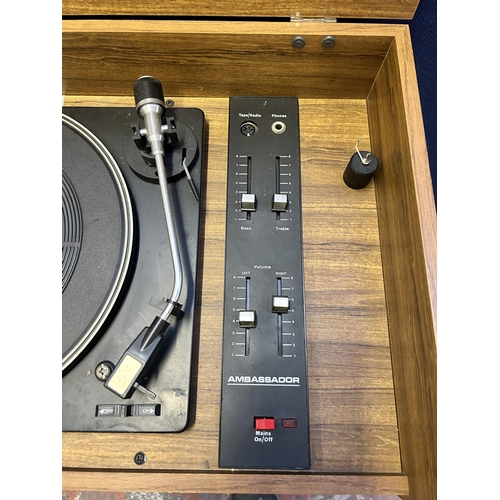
(357, 175)
(148, 89)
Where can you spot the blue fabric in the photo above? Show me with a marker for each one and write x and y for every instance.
(423, 29)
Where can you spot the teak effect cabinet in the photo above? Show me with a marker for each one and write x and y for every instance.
(369, 255)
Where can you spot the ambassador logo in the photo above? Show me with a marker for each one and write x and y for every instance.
(264, 381)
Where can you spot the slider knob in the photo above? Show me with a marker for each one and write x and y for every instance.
(247, 319)
(279, 202)
(248, 202)
(281, 304)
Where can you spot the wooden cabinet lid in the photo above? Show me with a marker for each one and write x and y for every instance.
(358, 9)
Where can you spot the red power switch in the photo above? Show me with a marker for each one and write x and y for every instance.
(265, 423)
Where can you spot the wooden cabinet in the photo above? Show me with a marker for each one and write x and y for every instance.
(369, 255)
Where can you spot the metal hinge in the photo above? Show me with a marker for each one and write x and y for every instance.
(299, 19)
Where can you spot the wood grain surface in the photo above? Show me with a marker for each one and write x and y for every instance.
(407, 221)
(369, 255)
(352, 409)
(217, 59)
(375, 9)
(231, 483)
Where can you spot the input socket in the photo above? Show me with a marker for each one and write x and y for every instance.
(278, 127)
(248, 128)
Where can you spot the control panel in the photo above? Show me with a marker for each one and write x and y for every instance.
(264, 408)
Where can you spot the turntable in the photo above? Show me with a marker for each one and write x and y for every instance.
(368, 264)
(131, 223)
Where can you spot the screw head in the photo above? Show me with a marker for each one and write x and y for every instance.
(169, 103)
(328, 41)
(139, 458)
(298, 42)
(103, 370)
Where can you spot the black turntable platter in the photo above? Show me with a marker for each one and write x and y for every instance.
(97, 238)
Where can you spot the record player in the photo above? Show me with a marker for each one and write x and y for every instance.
(369, 260)
(130, 238)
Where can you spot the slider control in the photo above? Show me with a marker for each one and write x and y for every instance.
(280, 200)
(248, 200)
(281, 304)
(246, 318)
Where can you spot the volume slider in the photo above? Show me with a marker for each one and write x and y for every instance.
(246, 319)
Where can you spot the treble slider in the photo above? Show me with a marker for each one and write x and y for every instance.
(280, 200)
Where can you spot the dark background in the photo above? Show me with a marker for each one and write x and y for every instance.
(423, 29)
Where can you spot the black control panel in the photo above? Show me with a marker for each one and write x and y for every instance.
(264, 410)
